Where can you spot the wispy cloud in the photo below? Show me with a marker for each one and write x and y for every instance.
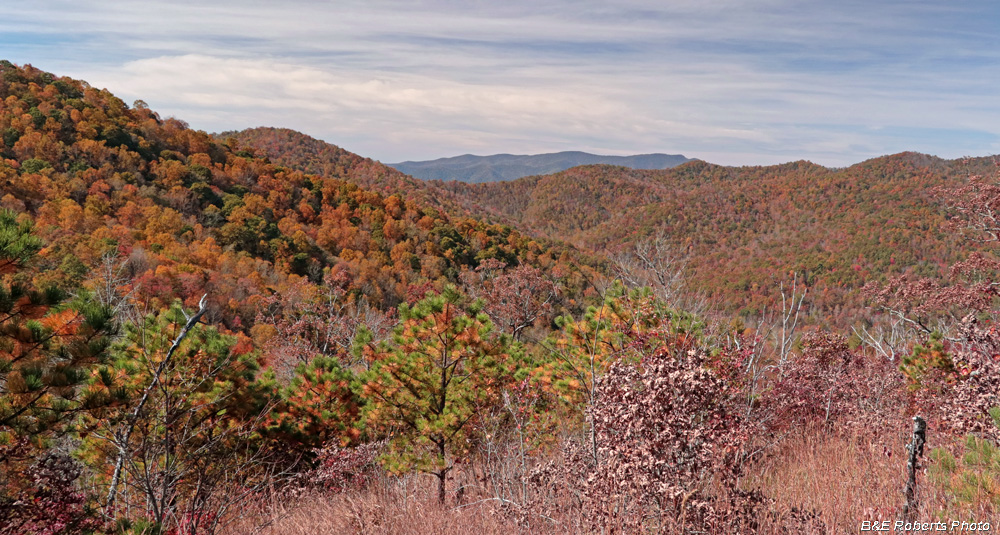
(736, 82)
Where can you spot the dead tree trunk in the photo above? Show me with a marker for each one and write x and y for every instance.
(915, 449)
(125, 434)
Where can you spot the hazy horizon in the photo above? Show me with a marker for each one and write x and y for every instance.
(735, 83)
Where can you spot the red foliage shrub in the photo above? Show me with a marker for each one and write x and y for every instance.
(963, 394)
(340, 469)
(667, 448)
(49, 503)
(830, 382)
(665, 429)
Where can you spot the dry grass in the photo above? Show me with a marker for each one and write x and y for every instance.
(845, 480)
(842, 479)
(820, 482)
(405, 507)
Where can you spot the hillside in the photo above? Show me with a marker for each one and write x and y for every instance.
(190, 215)
(503, 167)
(288, 148)
(745, 229)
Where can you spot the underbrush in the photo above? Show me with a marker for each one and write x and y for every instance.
(816, 480)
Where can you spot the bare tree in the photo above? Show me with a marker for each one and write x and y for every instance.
(114, 286)
(319, 320)
(790, 310)
(653, 263)
(769, 347)
(887, 338)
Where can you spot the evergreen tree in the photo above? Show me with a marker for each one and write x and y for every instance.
(318, 406)
(48, 346)
(183, 434)
(428, 385)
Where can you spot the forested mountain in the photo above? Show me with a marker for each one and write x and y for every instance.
(741, 230)
(744, 228)
(501, 167)
(191, 215)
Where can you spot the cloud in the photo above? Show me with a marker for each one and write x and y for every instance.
(407, 108)
(730, 81)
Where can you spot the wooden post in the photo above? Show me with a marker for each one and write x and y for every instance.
(915, 449)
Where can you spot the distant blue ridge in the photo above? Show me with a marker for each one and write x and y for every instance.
(501, 167)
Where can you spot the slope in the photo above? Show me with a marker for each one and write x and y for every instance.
(186, 215)
(746, 229)
(288, 148)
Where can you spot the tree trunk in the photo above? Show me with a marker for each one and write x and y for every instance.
(441, 485)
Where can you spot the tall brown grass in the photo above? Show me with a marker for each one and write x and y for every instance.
(841, 479)
(403, 506)
(815, 481)
(844, 479)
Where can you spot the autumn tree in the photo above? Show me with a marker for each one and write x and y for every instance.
(48, 346)
(515, 298)
(428, 385)
(180, 445)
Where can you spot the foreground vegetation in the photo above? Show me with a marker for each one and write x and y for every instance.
(196, 340)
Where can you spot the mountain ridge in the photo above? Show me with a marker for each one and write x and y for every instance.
(504, 167)
(293, 149)
(742, 229)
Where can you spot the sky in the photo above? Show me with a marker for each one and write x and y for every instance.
(727, 81)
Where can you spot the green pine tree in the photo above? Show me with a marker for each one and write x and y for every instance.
(430, 384)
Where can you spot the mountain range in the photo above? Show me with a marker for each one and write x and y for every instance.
(742, 231)
(503, 167)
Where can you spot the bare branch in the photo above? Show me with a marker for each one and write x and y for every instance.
(125, 433)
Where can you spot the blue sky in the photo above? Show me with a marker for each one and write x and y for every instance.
(731, 82)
